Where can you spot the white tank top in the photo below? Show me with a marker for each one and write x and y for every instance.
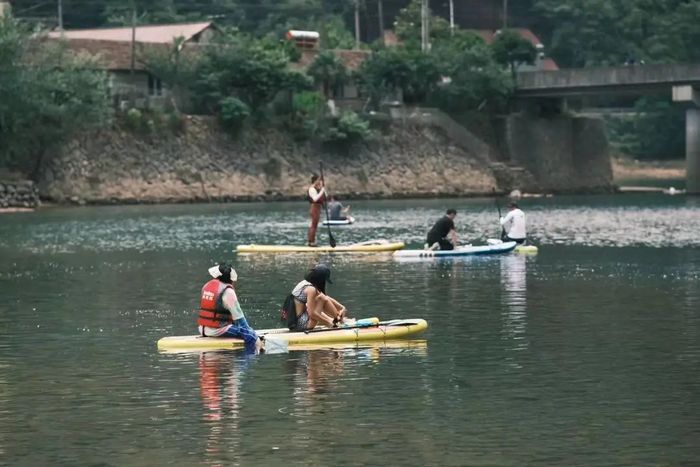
(299, 291)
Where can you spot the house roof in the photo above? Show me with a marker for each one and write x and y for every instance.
(352, 59)
(159, 34)
(113, 55)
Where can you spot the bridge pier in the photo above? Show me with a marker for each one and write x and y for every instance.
(690, 95)
(692, 150)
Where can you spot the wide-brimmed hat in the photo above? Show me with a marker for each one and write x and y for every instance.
(223, 271)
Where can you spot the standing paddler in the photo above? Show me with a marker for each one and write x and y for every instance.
(316, 195)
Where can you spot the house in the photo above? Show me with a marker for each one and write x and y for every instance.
(128, 77)
(308, 43)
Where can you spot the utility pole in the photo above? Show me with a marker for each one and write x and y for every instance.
(505, 14)
(425, 26)
(357, 24)
(323, 36)
(60, 15)
(452, 18)
(380, 13)
(133, 38)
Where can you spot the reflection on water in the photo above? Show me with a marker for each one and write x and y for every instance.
(514, 297)
(581, 355)
(219, 386)
(591, 221)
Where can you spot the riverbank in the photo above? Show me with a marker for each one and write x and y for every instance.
(627, 171)
(202, 164)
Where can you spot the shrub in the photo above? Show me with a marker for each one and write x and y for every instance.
(233, 113)
(348, 128)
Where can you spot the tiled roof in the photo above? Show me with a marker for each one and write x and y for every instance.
(352, 59)
(163, 34)
(114, 55)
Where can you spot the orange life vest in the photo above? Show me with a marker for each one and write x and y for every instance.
(212, 313)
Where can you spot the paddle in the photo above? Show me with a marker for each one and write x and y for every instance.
(331, 240)
(359, 324)
(503, 230)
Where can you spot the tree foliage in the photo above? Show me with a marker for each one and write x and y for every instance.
(510, 48)
(656, 130)
(328, 71)
(47, 95)
(252, 70)
(600, 32)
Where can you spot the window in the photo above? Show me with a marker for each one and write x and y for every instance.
(155, 86)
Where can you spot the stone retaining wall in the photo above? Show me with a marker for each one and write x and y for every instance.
(18, 194)
(203, 164)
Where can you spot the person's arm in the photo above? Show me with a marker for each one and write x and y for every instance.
(231, 303)
(508, 219)
(312, 305)
(453, 236)
(339, 306)
(316, 195)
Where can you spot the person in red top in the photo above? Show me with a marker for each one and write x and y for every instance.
(316, 194)
(220, 313)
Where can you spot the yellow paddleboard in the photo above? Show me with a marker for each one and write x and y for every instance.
(355, 248)
(386, 330)
(529, 249)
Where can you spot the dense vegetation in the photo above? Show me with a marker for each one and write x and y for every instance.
(252, 79)
(46, 95)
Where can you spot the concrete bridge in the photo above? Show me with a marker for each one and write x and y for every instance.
(681, 81)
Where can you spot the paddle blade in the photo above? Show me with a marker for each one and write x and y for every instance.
(331, 240)
(273, 346)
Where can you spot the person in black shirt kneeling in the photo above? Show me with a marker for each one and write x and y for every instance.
(443, 236)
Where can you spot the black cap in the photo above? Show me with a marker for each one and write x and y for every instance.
(322, 271)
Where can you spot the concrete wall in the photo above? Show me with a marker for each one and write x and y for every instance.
(563, 153)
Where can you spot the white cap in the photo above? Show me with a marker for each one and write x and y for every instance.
(215, 272)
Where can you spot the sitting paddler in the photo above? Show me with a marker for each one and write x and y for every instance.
(337, 211)
(220, 313)
(443, 236)
(514, 225)
(316, 195)
(308, 305)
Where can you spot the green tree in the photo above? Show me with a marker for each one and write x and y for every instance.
(47, 95)
(510, 48)
(656, 130)
(328, 71)
(408, 25)
(404, 69)
(252, 70)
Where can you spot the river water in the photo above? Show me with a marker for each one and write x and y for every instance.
(587, 353)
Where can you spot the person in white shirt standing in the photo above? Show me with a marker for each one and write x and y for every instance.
(514, 225)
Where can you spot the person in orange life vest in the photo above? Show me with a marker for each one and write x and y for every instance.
(311, 303)
(316, 195)
(220, 313)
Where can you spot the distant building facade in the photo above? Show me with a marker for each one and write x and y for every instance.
(128, 77)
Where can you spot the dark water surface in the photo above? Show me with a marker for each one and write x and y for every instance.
(587, 354)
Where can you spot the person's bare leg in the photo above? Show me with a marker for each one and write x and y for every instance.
(318, 315)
